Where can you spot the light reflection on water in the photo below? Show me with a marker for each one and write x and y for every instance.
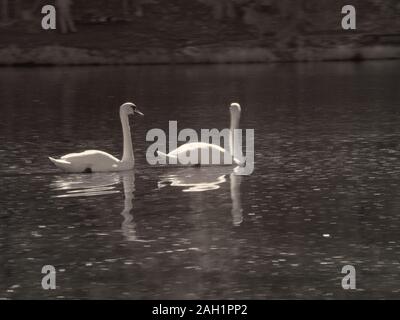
(102, 184)
(207, 179)
(326, 162)
(191, 186)
(86, 185)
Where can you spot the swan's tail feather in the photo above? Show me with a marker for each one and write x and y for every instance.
(62, 164)
(59, 161)
(240, 163)
(162, 154)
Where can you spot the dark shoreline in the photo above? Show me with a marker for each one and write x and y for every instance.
(54, 55)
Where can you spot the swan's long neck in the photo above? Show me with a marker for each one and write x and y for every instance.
(235, 118)
(126, 130)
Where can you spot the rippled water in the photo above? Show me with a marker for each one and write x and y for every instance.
(324, 193)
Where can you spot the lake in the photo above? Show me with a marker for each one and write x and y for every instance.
(325, 191)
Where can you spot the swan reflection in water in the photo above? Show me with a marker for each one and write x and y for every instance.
(206, 179)
(100, 184)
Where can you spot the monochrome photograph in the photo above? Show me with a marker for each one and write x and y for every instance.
(199, 150)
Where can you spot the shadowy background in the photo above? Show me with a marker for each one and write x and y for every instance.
(200, 28)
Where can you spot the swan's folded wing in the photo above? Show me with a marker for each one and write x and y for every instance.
(195, 146)
(90, 157)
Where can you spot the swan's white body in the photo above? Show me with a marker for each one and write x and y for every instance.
(191, 147)
(100, 161)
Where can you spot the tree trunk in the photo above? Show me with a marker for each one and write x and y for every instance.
(36, 5)
(4, 11)
(17, 9)
(125, 8)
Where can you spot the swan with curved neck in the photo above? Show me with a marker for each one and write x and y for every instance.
(234, 147)
(100, 161)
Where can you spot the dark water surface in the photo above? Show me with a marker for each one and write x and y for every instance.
(325, 191)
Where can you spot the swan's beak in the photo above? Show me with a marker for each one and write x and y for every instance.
(138, 112)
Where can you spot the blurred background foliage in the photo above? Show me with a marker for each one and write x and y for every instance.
(188, 22)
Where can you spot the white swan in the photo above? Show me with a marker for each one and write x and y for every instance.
(100, 161)
(186, 148)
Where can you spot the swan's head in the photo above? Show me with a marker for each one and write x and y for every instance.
(129, 108)
(235, 108)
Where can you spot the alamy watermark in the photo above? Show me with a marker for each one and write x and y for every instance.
(349, 280)
(213, 147)
(50, 15)
(49, 280)
(349, 20)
